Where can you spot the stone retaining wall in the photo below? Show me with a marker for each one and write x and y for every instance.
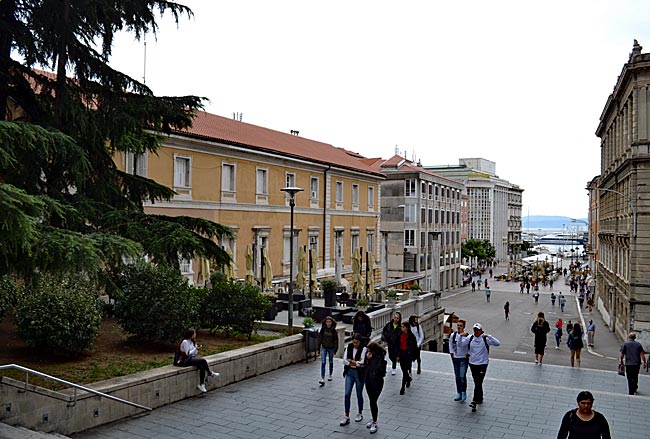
(41, 410)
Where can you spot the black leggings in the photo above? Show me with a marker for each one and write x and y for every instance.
(373, 396)
(405, 364)
(199, 362)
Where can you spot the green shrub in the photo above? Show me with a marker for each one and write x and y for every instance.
(232, 306)
(156, 303)
(60, 313)
(8, 295)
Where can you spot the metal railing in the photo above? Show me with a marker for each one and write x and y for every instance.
(70, 399)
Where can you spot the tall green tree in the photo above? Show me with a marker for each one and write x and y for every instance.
(477, 248)
(64, 205)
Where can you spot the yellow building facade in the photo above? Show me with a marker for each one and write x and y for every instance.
(232, 173)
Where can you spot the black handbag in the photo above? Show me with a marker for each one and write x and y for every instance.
(621, 369)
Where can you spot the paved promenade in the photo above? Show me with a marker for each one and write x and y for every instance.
(521, 401)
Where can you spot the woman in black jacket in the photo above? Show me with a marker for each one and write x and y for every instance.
(408, 346)
(328, 344)
(540, 328)
(375, 373)
(361, 325)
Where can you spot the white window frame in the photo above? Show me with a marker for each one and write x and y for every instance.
(141, 162)
(410, 213)
(261, 185)
(228, 182)
(371, 198)
(183, 184)
(409, 237)
(355, 196)
(339, 194)
(410, 187)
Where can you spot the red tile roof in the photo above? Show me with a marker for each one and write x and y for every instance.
(222, 129)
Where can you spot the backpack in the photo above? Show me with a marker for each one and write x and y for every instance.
(179, 356)
(487, 346)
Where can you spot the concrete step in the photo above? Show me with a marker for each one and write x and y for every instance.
(14, 432)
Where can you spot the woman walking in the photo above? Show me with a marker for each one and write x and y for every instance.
(540, 328)
(375, 373)
(506, 310)
(584, 422)
(407, 347)
(390, 335)
(328, 342)
(575, 343)
(558, 333)
(418, 332)
(361, 325)
(353, 371)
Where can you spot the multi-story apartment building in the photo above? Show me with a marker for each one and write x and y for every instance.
(620, 202)
(420, 226)
(232, 173)
(494, 206)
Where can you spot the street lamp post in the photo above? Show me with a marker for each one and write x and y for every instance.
(292, 191)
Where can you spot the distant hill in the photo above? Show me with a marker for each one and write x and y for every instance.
(548, 222)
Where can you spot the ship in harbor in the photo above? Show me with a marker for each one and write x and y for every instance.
(560, 238)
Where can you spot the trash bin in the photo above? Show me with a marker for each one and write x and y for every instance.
(330, 296)
(310, 336)
(445, 346)
(433, 345)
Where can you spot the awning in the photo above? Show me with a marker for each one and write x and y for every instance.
(401, 280)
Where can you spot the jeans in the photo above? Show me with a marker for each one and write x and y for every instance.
(478, 375)
(352, 379)
(460, 370)
(326, 353)
(558, 338)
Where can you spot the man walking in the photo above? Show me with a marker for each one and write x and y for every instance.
(458, 352)
(591, 331)
(562, 301)
(488, 293)
(479, 351)
(632, 353)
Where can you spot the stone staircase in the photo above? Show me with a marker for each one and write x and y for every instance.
(10, 432)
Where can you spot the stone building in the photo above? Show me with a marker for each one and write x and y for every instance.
(620, 202)
(420, 227)
(494, 206)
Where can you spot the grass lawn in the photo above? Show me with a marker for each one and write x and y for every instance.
(113, 355)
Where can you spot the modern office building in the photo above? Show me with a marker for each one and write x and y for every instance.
(495, 204)
(620, 203)
(420, 227)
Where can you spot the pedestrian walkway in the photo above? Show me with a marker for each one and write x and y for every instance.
(521, 401)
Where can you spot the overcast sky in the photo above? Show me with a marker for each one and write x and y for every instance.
(520, 83)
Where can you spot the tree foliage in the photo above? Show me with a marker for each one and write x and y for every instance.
(64, 205)
(59, 313)
(232, 306)
(157, 303)
(476, 248)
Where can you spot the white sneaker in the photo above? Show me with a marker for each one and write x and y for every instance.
(373, 428)
(369, 424)
(392, 372)
(329, 378)
(202, 388)
(359, 418)
(344, 421)
(214, 374)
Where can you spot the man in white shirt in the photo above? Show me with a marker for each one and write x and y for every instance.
(478, 346)
(458, 352)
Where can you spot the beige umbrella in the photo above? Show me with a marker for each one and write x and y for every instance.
(268, 270)
(312, 277)
(370, 262)
(250, 276)
(301, 268)
(229, 270)
(357, 283)
(204, 271)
